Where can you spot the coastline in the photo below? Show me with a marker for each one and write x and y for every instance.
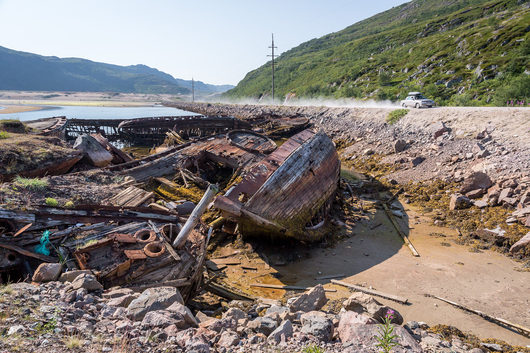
(10, 109)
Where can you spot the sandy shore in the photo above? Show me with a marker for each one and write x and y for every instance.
(10, 109)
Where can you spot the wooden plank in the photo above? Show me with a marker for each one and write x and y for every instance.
(28, 253)
(372, 292)
(338, 275)
(164, 241)
(21, 217)
(225, 292)
(521, 329)
(286, 287)
(401, 234)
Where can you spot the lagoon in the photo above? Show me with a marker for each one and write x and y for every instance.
(91, 112)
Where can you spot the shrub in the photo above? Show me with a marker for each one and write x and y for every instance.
(50, 201)
(313, 349)
(69, 204)
(394, 116)
(4, 135)
(34, 184)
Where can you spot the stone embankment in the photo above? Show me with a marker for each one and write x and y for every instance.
(484, 151)
(72, 312)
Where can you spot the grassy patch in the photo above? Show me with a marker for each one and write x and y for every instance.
(4, 135)
(394, 116)
(313, 348)
(50, 201)
(34, 184)
(73, 341)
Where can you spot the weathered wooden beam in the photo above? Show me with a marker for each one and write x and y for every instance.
(195, 215)
(372, 292)
(286, 287)
(400, 232)
(28, 253)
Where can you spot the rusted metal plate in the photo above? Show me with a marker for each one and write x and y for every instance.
(123, 238)
(135, 254)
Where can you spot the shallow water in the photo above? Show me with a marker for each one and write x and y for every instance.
(89, 112)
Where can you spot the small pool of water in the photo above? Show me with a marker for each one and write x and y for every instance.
(89, 112)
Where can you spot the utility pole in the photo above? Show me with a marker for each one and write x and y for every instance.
(192, 90)
(273, 56)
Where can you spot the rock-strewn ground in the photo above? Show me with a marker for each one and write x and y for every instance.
(75, 314)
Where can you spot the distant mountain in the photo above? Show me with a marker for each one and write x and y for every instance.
(31, 72)
(458, 52)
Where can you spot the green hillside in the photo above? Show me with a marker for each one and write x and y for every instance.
(459, 52)
(32, 72)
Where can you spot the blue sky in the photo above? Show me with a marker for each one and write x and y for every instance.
(215, 41)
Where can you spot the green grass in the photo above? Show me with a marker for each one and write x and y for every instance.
(417, 46)
(394, 116)
(73, 341)
(33, 184)
(4, 135)
(313, 349)
(50, 201)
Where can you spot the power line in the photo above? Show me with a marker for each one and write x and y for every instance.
(273, 56)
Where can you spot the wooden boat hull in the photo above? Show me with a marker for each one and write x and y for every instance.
(286, 191)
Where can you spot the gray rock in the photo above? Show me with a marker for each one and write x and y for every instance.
(71, 275)
(313, 299)
(47, 272)
(183, 312)
(263, 325)
(159, 319)
(185, 208)
(475, 194)
(493, 347)
(153, 299)
(86, 281)
(504, 194)
(400, 146)
(439, 129)
(362, 303)
(285, 330)
(522, 245)
(365, 335)
(459, 202)
(235, 314)
(477, 180)
(317, 324)
(417, 161)
(15, 330)
(116, 292)
(123, 301)
(228, 339)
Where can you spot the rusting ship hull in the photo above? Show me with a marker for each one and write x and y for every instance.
(289, 193)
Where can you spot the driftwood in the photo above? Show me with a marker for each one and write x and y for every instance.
(195, 215)
(95, 153)
(122, 157)
(521, 329)
(401, 234)
(372, 292)
(225, 292)
(286, 287)
(338, 275)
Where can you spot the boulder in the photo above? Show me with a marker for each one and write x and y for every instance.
(316, 323)
(505, 194)
(400, 146)
(352, 317)
(159, 319)
(362, 303)
(285, 330)
(235, 313)
(458, 202)
(153, 299)
(71, 275)
(477, 180)
(185, 313)
(439, 129)
(95, 153)
(475, 194)
(264, 325)
(228, 339)
(122, 301)
(417, 161)
(366, 335)
(313, 299)
(86, 281)
(47, 272)
(522, 245)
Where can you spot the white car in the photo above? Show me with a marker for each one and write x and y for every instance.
(417, 100)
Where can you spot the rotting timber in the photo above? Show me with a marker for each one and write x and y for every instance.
(289, 193)
(281, 191)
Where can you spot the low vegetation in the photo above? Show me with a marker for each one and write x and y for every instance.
(394, 116)
(50, 201)
(33, 184)
(4, 135)
(472, 52)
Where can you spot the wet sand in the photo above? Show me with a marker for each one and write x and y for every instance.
(377, 258)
